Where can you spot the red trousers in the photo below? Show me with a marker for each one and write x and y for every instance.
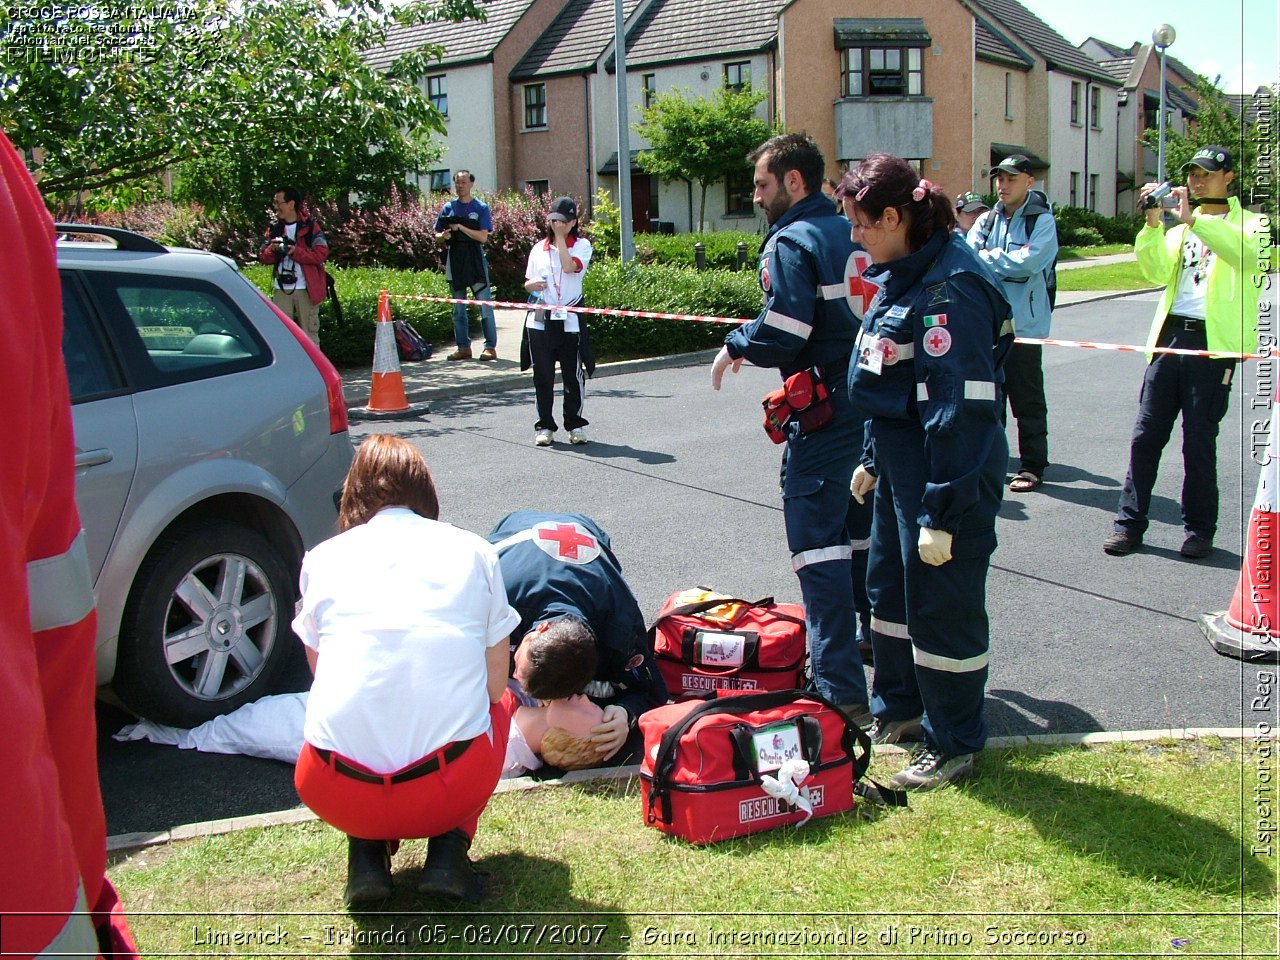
(453, 797)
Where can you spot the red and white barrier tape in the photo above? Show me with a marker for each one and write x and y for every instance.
(652, 315)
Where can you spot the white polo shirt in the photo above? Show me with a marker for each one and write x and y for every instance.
(402, 611)
(562, 288)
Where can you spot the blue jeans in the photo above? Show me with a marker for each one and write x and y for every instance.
(461, 326)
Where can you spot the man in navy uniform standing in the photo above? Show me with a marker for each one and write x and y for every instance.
(809, 277)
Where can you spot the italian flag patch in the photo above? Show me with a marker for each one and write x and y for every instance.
(937, 320)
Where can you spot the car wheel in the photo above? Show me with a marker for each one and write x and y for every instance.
(206, 627)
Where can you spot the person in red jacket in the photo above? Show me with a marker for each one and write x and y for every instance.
(54, 895)
(297, 248)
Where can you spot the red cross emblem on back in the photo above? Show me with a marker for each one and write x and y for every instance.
(861, 291)
(569, 542)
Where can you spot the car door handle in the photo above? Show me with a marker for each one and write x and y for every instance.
(91, 458)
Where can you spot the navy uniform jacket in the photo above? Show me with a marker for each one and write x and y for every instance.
(562, 563)
(805, 267)
(938, 332)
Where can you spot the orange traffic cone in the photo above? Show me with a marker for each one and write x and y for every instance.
(1251, 628)
(386, 395)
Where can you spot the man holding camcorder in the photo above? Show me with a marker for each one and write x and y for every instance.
(297, 248)
(1209, 262)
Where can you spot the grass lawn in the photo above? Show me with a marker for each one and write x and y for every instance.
(1118, 850)
(1102, 250)
(1110, 276)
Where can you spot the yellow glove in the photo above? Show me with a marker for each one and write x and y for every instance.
(935, 546)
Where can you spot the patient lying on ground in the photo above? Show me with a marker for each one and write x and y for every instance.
(560, 731)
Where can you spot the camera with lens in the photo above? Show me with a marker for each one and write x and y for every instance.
(286, 278)
(1156, 196)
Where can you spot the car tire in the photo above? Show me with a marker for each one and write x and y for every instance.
(207, 625)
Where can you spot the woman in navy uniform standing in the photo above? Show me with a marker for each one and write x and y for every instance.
(926, 373)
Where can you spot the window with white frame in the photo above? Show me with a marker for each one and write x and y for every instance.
(535, 106)
(1074, 199)
(438, 92)
(882, 72)
(737, 76)
(1075, 102)
(1008, 95)
(439, 180)
(1093, 192)
(1095, 108)
(539, 188)
(649, 85)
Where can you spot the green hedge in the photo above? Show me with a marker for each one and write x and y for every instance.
(662, 289)
(677, 249)
(351, 342)
(1078, 227)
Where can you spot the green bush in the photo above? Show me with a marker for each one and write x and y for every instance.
(1079, 237)
(660, 289)
(677, 249)
(351, 342)
(1073, 220)
(664, 289)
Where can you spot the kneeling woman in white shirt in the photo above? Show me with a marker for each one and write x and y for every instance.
(406, 624)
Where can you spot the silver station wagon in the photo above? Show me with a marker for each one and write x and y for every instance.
(211, 446)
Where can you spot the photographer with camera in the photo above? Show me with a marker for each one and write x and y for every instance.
(297, 248)
(1204, 261)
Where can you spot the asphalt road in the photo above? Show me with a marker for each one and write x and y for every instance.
(685, 481)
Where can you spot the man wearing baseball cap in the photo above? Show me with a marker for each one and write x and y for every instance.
(1018, 240)
(1212, 263)
(969, 206)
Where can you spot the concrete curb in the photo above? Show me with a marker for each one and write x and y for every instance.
(129, 842)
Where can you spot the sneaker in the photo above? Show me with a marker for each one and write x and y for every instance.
(1196, 547)
(930, 767)
(462, 353)
(488, 353)
(577, 435)
(859, 713)
(542, 438)
(897, 731)
(1121, 543)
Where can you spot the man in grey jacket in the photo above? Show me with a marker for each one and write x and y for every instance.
(1018, 240)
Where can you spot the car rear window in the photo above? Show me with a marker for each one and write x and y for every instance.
(175, 329)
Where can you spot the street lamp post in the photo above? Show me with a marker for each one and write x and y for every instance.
(1163, 37)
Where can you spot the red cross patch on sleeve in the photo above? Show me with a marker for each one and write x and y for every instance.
(567, 542)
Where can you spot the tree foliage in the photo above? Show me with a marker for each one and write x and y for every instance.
(238, 97)
(1216, 123)
(701, 140)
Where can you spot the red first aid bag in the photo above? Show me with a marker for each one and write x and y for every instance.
(705, 641)
(708, 763)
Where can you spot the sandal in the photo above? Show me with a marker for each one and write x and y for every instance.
(1025, 482)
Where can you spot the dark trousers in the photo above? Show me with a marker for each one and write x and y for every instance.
(858, 522)
(815, 497)
(929, 626)
(546, 351)
(1024, 389)
(1199, 389)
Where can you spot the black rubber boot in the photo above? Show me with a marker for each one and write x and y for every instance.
(368, 871)
(448, 872)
